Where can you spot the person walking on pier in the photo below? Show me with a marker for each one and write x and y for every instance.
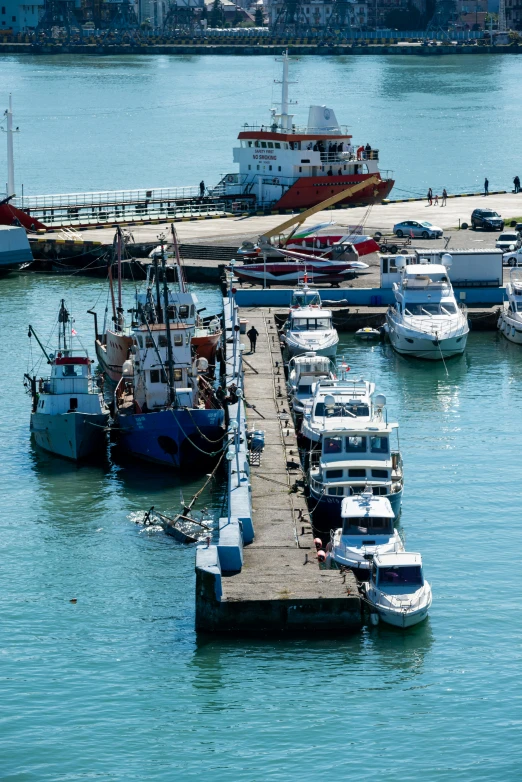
(486, 186)
(252, 335)
(516, 182)
(430, 196)
(202, 189)
(444, 197)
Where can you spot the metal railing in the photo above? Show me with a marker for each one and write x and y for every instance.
(440, 328)
(106, 197)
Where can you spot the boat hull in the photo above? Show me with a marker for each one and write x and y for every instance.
(401, 619)
(206, 346)
(310, 191)
(113, 353)
(326, 513)
(512, 330)
(291, 349)
(174, 438)
(407, 344)
(73, 436)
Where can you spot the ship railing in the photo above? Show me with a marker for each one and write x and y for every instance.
(302, 130)
(441, 327)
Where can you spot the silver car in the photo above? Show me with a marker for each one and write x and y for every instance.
(412, 228)
(509, 240)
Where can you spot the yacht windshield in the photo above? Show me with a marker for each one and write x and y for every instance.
(519, 306)
(364, 526)
(430, 308)
(400, 575)
(340, 409)
(311, 324)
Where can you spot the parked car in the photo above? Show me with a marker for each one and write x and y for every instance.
(518, 228)
(487, 219)
(513, 258)
(415, 228)
(509, 240)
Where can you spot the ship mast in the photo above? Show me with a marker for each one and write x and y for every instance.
(8, 114)
(285, 118)
(166, 318)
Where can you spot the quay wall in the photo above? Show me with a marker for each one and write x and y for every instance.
(261, 49)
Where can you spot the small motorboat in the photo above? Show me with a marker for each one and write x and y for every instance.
(367, 530)
(397, 592)
(303, 373)
(368, 333)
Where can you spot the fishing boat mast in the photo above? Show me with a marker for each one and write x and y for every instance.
(170, 355)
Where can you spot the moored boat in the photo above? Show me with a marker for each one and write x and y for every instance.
(397, 591)
(69, 416)
(510, 319)
(304, 372)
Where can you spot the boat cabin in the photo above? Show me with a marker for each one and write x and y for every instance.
(309, 319)
(366, 515)
(397, 572)
(304, 297)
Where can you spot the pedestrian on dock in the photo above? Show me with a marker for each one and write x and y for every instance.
(202, 189)
(516, 182)
(436, 199)
(444, 197)
(486, 186)
(252, 335)
(430, 196)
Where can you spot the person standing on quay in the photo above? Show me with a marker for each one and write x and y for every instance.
(252, 335)
(430, 196)
(486, 186)
(516, 182)
(202, 189)
(444, 196)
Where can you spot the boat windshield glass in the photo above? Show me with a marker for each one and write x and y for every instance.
(308, 299)
(519, 306)
(429, 308)
(364, 526)
(304, 389)
(72, 370)
(311, 324)
(400, 575)
(342, 409)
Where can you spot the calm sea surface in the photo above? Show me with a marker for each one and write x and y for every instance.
(97, 123)
(118, 687)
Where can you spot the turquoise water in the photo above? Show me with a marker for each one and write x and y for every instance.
(97, 123)
(118, 687)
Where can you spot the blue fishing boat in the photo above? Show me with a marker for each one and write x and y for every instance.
(165, 408)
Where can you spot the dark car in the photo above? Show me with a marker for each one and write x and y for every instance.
(487, 219)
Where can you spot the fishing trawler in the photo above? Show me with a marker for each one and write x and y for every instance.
(286, 166)
(166, 411)
(113, 345)
(69, 416)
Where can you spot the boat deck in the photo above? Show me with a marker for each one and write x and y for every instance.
(281, 587)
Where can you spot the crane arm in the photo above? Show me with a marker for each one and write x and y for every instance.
(300, 218)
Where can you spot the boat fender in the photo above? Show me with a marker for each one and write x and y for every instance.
(321, 556)
(374, 619)
(318, 543)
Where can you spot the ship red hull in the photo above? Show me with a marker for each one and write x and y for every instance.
(309, 191)
(10, 215)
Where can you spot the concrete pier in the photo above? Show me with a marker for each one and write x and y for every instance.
(276, 586)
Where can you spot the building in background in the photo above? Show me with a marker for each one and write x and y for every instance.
(305, 15)
(514, 14)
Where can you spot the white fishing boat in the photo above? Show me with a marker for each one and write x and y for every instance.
(310, 329)
(303, 374)
(397, 591)
(425, 320)
(367, 530)
(510, 320)
(353, 455)
(69, 416)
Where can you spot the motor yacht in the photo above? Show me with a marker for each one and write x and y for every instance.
(307, 329)
(425, 320)
(352, 401)
(510, 320)
(351, 457)
(367, 529)
(397, 591)
(303, 374)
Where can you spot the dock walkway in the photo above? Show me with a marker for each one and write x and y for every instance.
(280, 587)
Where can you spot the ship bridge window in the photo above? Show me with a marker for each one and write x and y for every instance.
(178, 339)
(72, 370)
(184, 311)
(158, 376)
(340, 409)
(73, 404)
(378, 444)
(178, 375)
(162, 340)
(171, 311)
(379, 473)
(333, 445)
(277, 145)
(336, 491)
(355, 444)
(334, 474)
(365, 526)
(263, 145)
(257, 144)
(149, 342)
(270, 145)
(357, 473)
(249, 143)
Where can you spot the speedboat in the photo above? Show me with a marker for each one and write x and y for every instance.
(510, 320)
(397, 591)
(284, 271)
(367, 529)
(308, 329)
(368, 333)
(425, 320)
(69, 417)
(353, 455)
(303, 373)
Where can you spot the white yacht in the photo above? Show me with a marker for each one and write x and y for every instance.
(425, 320)
(367, 529)
(351, 457)
(308, 326)
(352, 401)
(397, 591)
(510, 319)
(69, 416)
(303, 374)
